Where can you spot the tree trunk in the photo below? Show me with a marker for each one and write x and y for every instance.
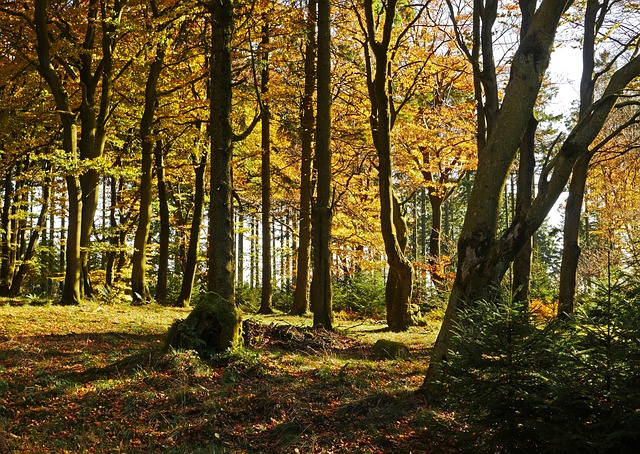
(165, 227)
(307, 122)
(221, 266)
(30, 250)
(240, 250)
(265, 300)
(526, 170)
(571, 245)
(573, 209)
(6, 266)
(321, 295)
(435, 237)
(139, 288)
(191, 262)
(71, 290)
(393, 226)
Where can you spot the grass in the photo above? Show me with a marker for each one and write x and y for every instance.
(93, 378)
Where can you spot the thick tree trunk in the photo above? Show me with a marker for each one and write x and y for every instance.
(221, 266)
(307, 123)
(165, 227)
(191, 261)
(265, 300)
(321, 295)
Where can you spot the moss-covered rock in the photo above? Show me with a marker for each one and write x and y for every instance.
(388, 349)
(213, 326)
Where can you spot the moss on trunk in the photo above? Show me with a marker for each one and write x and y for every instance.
(213, 326)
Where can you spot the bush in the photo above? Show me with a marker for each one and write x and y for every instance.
(361, 293)
(526, 385)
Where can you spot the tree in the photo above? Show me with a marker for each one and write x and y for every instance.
(307, 122)
(595, 16)
(265, 301)
(139, 288)
(377, 50)
(483, 257)
(322, 206)
(68, 120)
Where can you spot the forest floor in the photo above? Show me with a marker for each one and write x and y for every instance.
(95, 378)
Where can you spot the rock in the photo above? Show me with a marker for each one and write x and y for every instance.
(388, 349)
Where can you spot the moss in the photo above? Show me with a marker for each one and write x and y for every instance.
(388, 349)
(214, 326)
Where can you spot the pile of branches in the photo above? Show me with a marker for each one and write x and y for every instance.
(298, 339)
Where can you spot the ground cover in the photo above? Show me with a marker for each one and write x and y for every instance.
(94, 378)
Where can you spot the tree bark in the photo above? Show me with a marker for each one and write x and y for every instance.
(573, 209)
(322, 210)
(191, 261)
(68, 120)
(221, 266)
(265, 300)
(307, 123)
(393, 226)
(139, 288)
(165, 227)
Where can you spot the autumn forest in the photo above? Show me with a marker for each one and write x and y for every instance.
(239, 186)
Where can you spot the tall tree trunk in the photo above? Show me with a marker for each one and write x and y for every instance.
(321, 296)
(307, 123)
(139, 288)
(71, 290)
(265, 300)
(221, 267)
(393, 226)
(191, 261)
(573, 208)
(525, 184)
(165, 227)
(94, 117)
(526, 171)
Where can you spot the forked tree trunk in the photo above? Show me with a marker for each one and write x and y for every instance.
(483, 259)
(400, 281)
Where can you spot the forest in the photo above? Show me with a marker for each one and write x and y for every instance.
(251, 226)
